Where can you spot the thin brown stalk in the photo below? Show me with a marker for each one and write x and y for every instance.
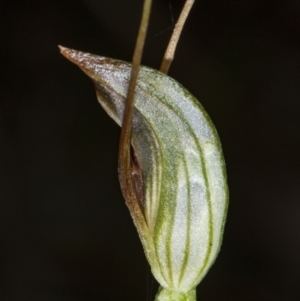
(125, 140)
(169, 54)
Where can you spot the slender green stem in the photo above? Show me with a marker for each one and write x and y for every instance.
(169, 295)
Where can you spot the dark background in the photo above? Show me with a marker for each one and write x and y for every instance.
(65, 233)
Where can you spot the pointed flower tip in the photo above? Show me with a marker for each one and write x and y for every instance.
(86, 61)
(81, 59)
(71, 54)
(89, 63)
(63, 50)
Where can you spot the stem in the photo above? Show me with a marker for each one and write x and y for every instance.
(125, 140)
(169, 295)
(169, 54)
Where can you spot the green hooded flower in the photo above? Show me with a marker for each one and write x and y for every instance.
(178, 171)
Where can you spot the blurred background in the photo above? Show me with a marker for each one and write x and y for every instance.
(66, 234)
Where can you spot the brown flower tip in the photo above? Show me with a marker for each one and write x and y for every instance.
(75, 56)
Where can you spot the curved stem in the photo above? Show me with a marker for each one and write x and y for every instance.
(125, 140)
